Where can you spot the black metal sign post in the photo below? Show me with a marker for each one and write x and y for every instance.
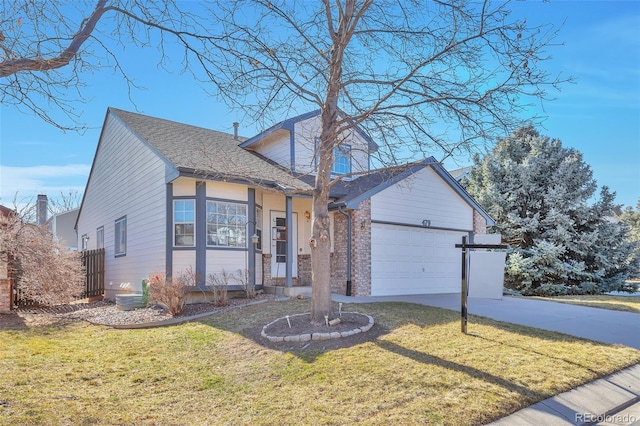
(465, 284)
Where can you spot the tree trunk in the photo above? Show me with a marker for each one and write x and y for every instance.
(320, 260)
(321, 239)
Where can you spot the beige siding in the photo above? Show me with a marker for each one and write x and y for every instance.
(184, 260)
(308, 130)
(424, 196)
(275, 147)
(276, 202)
(231, 261)
(227, 191)
(127, 179)
(184, 187)
(302, 205)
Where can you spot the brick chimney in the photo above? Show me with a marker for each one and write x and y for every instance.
(41, 209)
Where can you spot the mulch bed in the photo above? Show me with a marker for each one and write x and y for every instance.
(301, 324)
(63, 315)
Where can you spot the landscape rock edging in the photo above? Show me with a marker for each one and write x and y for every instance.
(316, 336)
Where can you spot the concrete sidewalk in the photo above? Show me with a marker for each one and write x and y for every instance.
(613, 400)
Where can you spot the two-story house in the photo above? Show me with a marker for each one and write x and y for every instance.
(165, 197)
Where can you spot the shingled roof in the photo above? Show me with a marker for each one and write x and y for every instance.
(350, 194)
(207, 153)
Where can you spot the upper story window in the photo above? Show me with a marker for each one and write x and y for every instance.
(341, 160)
(226, 224)
(184, 223)
(121, 237)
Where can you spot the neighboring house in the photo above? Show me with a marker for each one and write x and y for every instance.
(62, 225)
(168, 197)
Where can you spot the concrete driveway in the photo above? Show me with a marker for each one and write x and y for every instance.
(601, 325)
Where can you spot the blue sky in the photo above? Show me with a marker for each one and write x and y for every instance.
(599, 115)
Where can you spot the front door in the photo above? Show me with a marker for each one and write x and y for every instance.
(279, 238)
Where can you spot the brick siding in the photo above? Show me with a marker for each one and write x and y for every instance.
(361, 248)
(479, 223)
(6, 285)
(360, 251)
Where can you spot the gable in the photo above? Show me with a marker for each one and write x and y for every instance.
(293, 144)
(275, 147)
(206, 153)
(422, 196)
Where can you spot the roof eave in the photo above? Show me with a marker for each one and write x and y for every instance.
(456, 186)
(242, 180)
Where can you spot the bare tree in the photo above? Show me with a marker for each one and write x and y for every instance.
(442, 77)
(47, 48)
(45, 271)
(66, 201)
(422, 78)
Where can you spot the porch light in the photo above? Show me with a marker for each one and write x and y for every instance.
(255, 239)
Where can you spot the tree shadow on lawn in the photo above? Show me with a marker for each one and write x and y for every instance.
(412, 330)
(388, 316)
(426, 358)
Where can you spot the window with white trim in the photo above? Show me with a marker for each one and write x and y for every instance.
(341, 160)
(259, 227)
(100, 237)
(121, 237)
(226, 224)
(184, 223)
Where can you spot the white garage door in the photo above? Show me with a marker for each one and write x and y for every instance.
(407, 260)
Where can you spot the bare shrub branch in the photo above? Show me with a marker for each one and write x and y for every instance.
(45, 272)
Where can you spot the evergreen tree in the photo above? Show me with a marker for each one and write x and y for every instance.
(632, 219)
(541, 195)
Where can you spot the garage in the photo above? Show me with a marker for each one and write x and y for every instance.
(414, 260)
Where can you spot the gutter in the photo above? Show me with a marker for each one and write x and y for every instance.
(348, 216)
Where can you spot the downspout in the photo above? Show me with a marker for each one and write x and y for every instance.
(348, 216)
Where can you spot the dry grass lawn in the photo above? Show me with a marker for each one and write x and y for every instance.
(419, 370)
(616, 303)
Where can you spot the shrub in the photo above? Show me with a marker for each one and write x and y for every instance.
(547, 290)
(249, 288)
(172, 292)
(45, 271)
(219, 283)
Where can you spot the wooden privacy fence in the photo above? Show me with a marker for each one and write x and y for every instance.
(93, 262)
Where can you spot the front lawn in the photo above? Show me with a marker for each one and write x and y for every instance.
(615, 303)
(418, 370)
